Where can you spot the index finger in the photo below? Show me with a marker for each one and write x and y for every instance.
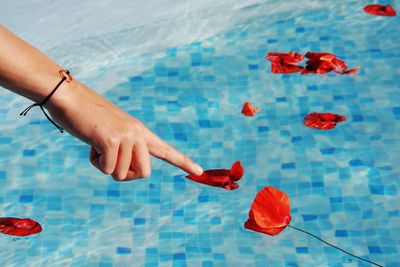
(166, 152)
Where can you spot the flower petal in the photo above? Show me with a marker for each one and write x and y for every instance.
(323, 121)
(249, 110)
(283, 62)
(270, 212)
(290, 57)
(250, 224)
(285, 68)
(322, 63)
(19, 227)
(352, 71)
(380, 10)
(237, 171)
(221, 177)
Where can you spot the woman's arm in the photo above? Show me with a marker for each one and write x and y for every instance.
(120, 144)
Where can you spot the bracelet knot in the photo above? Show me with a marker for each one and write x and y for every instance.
(65, 76)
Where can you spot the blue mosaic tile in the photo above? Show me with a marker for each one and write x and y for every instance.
(302, 250)
(288, 165)
(122, 250)
(191, 95)
(139, 221)
(26, 198)
(374, 250)
(29, 153)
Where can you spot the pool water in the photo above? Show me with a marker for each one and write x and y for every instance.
(343, 184)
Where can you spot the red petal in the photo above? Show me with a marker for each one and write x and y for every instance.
(249, 110)
(331, 117)
(283, 62)
(218, 172)
(220, 177)
(380, 10)
(316, 68)
(250, 224)
(290, 57)
(323, 121)
(285, 68)
(19, 227)
(352, 71)
(237, 171)
(322, 63)
(270, 212)
(316, 55)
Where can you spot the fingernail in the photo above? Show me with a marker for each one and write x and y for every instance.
(198, 169)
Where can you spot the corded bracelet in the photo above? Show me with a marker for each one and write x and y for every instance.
(65, 77)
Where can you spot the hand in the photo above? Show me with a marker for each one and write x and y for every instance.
(120, 144)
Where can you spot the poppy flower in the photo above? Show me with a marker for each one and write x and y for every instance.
(380, 10)
(19, 227)
(220, 177)
(284, 62)
(249, 110)
(323, 121)
(322, 63)
(270, 212)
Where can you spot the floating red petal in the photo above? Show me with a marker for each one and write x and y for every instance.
(270, 212)
(322, 63)
(19, 227)
(220, 177)
(290, 57)
(380, 10)
(284, 62)
(323, 121)
(237, 171)
(285, 68)
(249, 110)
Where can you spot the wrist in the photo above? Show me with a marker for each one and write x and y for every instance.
(63, 96)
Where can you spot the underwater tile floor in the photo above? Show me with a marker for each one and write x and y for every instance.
(343, 184)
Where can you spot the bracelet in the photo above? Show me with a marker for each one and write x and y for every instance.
(65, 77)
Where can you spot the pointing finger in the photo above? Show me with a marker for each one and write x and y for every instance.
(164, 151)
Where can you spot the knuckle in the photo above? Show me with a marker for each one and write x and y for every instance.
(111, 141)
(118, 177)
(146, 173)
(96, 164)
(137, 128)
(106, 170)
(127, 137)
(132, 132)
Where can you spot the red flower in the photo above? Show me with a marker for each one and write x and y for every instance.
(283, 62)
(322, 63)
(380, 10)
(323, 121)
(221, 178)
(270, 212)
(249, 110)
(19, 227)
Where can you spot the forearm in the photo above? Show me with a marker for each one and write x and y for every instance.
(24, 69)
(121, 145)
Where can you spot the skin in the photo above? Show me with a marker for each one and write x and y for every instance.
(120, 144)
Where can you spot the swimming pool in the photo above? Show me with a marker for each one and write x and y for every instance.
(343, 183)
